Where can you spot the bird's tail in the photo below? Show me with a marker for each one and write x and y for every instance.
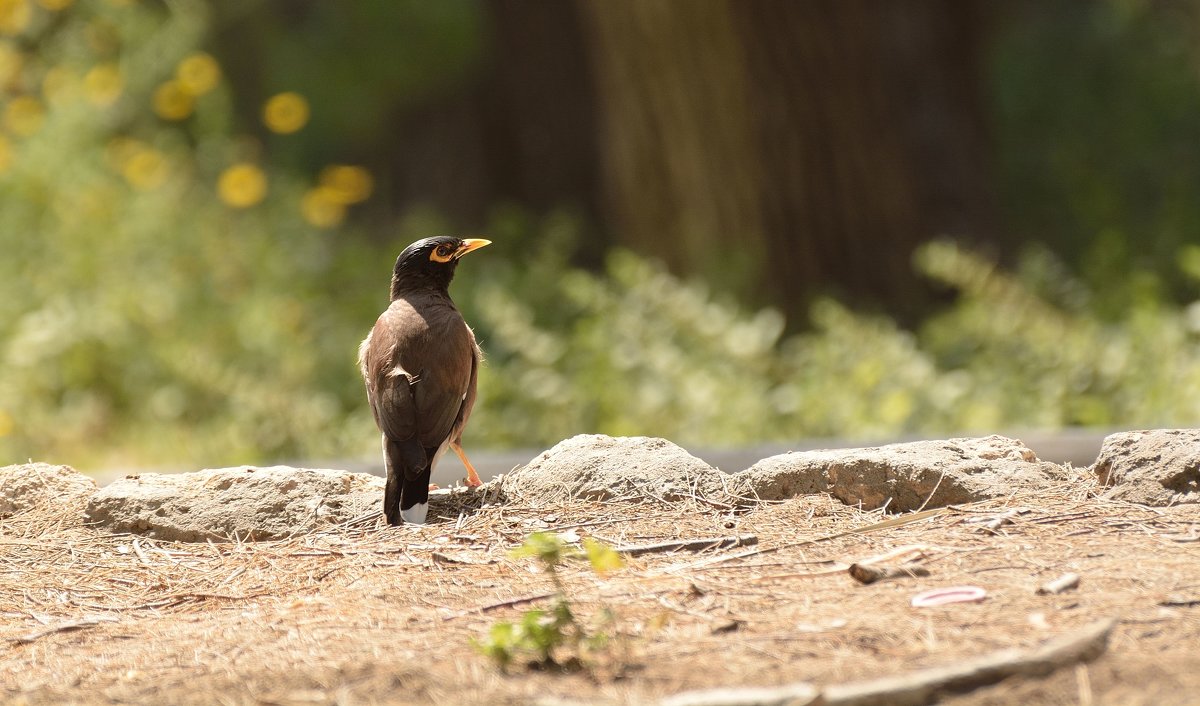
(406, 496)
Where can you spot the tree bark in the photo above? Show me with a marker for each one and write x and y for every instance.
(791, 148)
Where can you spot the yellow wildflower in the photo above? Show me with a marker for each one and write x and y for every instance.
(11, 62)
(198, 73)
(285, 113)
(242, 185)
(14, 16)
(24, 115)
(146, 169)
(172, 101)
(103, 85)
(321, 208)
(347, 184)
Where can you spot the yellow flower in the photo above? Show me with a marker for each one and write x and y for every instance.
(320, 207)
(347, 184)
(172, 101)
(55, 5)
(285, 113)
(6, 423)
(146, 169)
(103, 85)
(59, 85)
(14, 16)
(24, 115)
(198, 73)
(242, 185)
(11, 62)
(6, 157)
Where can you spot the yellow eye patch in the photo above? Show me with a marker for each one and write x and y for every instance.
(442, 253)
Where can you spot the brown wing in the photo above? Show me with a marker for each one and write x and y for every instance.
(418, 364)
(468, 404)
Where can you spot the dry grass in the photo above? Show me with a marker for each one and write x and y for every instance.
(372, 614)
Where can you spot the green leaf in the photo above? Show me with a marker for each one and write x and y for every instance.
(602, 557)
(545, 546)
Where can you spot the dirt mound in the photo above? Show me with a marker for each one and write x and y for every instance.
(905, 476)
(28, 486)
(1158, 467)
(598, 467)
(243, 502)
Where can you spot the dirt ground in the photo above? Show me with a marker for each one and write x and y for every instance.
(372, 614)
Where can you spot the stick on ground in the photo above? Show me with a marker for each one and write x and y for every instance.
(695, 545)
(923, 687)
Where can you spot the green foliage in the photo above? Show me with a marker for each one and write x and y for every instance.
(1094, 107)
(547, 548)
(542, 635)
(1046, 359)
(602, 557)
(154, 310)
(637, 351)
(170, 292)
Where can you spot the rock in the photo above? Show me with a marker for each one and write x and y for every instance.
(28, 486)
(243, 502)
(1156, 467)
(598, 467)
(929, 473)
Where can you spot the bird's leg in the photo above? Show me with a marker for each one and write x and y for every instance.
(472, 477)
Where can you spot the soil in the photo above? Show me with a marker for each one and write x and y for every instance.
(374, 614)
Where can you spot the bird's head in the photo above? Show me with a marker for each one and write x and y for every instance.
(429, 263)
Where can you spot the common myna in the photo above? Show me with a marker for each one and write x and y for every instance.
(420, 363)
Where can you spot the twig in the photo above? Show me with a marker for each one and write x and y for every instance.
(141, 553)
(924, 687)
(885, 524)
(501, 604)
(869, 573)
(927, 686)
(929, 497)
(1058, 585)
(744, 540)
(64, 627)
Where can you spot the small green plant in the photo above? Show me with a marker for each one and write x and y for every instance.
(553, 637)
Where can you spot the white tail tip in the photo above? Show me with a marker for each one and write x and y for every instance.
(415, 515)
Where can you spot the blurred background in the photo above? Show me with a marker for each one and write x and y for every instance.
(724, 222)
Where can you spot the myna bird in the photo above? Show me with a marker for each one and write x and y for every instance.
(420, 363)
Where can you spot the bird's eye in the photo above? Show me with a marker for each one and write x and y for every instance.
(442, 253)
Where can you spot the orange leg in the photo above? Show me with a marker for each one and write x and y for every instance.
(472, 477)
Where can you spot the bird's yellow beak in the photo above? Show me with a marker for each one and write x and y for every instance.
(470, 244)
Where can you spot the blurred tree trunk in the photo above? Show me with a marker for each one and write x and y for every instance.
(791, 147)
(523, 130)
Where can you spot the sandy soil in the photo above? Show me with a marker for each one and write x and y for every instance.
(371, 614)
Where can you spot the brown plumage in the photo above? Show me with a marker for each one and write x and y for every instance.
(420, 364)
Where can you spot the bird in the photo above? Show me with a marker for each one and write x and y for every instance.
(420, 364)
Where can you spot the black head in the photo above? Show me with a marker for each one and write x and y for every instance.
(430, 263)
